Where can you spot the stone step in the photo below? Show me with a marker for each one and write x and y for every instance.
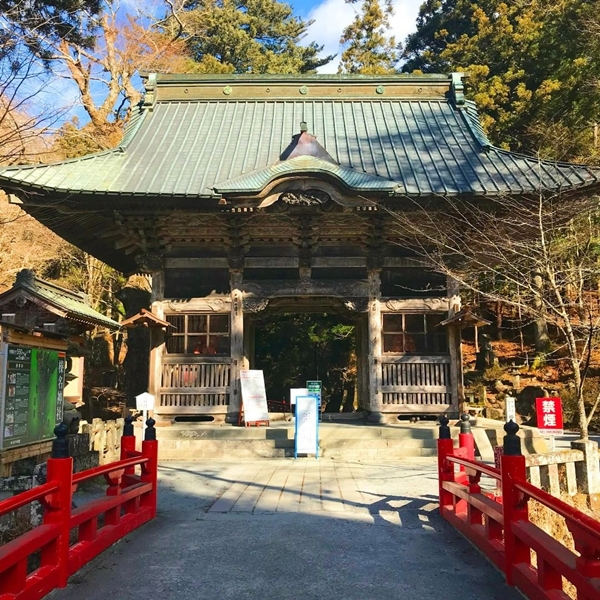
(283, 433)
(198, 448)
(378, 453)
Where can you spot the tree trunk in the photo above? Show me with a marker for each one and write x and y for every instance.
(498, 320)
(540, 325)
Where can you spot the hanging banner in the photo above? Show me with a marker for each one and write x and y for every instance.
(34, 382)
(254, 396)
(306, 434)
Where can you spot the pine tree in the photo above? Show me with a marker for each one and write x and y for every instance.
(532, 68)
(369, 51)
(241, 36)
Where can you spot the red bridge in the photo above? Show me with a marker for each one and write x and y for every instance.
(493, 517)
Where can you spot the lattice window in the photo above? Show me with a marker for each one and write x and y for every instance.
(199, 335)
(411, 333)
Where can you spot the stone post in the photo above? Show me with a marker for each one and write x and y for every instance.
(588, 470)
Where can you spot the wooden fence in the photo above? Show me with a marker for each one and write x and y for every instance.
(566, 471)
(105, 438)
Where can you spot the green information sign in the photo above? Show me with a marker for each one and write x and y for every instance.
(314, 389)
(33, 394)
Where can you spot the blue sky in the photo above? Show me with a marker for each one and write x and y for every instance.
(332, 16)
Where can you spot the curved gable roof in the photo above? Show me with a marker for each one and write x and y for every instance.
(413, 135)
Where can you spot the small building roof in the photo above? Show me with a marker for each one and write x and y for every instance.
(145, 318)
(466, 318)
(61, 301)
(201, 136)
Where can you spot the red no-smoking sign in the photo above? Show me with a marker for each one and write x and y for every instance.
(549, 416)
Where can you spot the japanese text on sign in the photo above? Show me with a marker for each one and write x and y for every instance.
(549, 415)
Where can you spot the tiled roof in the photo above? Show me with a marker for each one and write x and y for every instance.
(73, 304)
(203, 146)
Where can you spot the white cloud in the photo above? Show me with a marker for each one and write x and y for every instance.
(332, 16)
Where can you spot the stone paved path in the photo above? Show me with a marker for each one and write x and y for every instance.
(287, 529)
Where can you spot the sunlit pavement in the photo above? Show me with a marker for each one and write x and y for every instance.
(287, 529)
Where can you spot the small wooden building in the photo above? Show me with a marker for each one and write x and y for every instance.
(244, 194)
(46, 310)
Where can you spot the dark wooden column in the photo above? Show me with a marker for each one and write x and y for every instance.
(156, 348)
(374, 347)
(237, 342)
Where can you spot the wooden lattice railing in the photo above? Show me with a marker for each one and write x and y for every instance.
(416, 380)
(194, 386)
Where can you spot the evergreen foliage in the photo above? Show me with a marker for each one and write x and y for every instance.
(532, 68)
(47, 21)
(241, 36)
(368, 48)
(294, 348)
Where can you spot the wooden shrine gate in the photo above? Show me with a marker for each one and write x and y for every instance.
(197, 367)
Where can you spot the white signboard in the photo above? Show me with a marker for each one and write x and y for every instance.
(306, 437)
(295, 392)
(510, 409)
(144, 401)
(254, 396)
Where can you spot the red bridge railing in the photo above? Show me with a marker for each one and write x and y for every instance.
(36, 562)
(497, 521)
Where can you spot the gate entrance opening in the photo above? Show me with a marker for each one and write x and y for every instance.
(292, 348)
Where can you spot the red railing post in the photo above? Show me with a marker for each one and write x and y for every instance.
(465, 437)
(58, 505)
(514, 503)
(150, 469)
(128, 442)
(445, 447)
(128, 449)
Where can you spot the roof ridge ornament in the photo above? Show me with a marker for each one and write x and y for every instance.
(306, 144)
(457, 89)
(149, 96)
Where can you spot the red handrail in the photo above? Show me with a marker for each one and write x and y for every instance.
(559, 506)
(24, 498)
(477, 466)
(109, 468)
(500, 526)
(130, 501)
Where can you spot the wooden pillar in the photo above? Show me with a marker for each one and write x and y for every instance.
(374, 347)
(455, 350)
(237, 344)
(157, 345)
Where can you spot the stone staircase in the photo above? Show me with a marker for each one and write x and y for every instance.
(196, 441)
(350, 440)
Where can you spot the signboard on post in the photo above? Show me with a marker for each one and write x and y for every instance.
(306, 434)
(254, 397)
(144, 402)
(314, 389)
(549, 416)
(510, 409)
(295, 392)
(32, 399)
